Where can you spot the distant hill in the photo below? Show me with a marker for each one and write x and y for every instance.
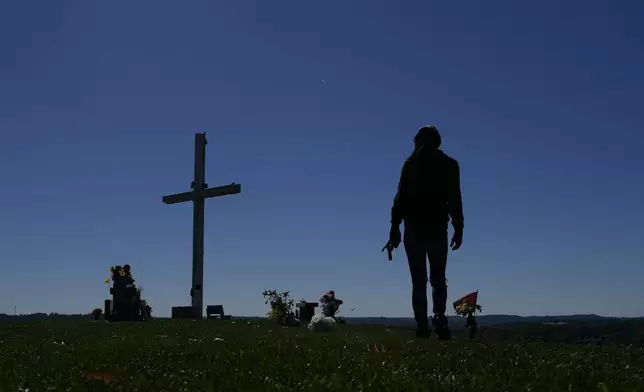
(489, 320)
(483, 320)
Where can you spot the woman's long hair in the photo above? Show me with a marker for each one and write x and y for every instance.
(427, 137)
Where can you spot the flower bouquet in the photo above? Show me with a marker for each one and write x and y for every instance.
(467, 307)
(330, 307)
(120, 276)
(281, 307)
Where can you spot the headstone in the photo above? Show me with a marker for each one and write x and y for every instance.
(306, 311)
(108, 309)
(183, 312)
(126, 303)
(212, 311)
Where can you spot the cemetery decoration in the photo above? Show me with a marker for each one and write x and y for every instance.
(326, 321)
(281, 308)
(305, 311)
(467, 307)
(97, 313)
(217, 311)
(184, 313)
(127, 303)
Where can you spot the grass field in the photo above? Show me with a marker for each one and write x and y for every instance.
(165, 355)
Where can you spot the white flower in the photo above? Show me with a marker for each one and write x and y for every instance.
(321, 323)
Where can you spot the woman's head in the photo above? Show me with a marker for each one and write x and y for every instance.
(427, 137)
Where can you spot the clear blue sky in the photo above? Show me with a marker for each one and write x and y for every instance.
(312, 107)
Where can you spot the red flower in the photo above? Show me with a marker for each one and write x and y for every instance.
(102, 376)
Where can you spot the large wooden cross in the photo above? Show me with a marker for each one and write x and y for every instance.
(199, 193)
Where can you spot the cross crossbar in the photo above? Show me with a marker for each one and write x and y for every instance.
(207, 193)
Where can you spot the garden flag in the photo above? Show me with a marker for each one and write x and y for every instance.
(471, 299)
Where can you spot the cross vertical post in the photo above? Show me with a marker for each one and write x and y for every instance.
(198, 206)
(199, 193)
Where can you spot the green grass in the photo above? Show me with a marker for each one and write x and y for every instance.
(165, 355)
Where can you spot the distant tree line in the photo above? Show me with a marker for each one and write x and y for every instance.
(37, 316)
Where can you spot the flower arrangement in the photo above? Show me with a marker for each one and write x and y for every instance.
(326, 321)
(330, 304)
(129, 303)
(146, 309)
(467, 306)
(281, 307)
(465, 309)
(120, 274)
